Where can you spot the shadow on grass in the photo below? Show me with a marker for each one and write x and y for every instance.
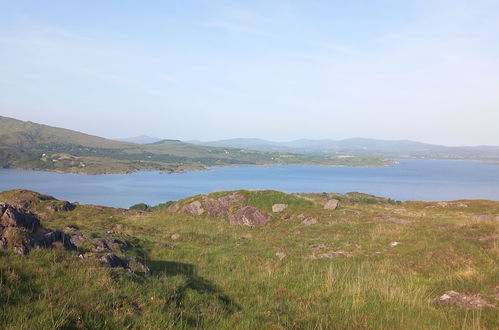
(194, 282)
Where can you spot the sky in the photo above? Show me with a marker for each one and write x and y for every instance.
(425, 70)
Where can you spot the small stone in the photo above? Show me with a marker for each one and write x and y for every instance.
(175, 237)
(462, 300)
(319, 246)
(394, 243)
(330, 255)
(309, 221)
(279, 207)
(280, 255)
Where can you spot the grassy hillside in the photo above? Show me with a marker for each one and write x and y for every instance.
(372, 263)
(360, 147)
(34, 146)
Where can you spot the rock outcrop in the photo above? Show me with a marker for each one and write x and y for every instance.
(248, 216)
(108, 244)
(113, 261)
(193, 208)
(11, 216)
(215, 207)
(51, 239)
(331, 204)
(16, 227)
(220, 207)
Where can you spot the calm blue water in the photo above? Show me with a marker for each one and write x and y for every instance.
(411, 180)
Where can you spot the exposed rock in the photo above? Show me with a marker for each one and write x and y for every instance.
(174, 208)
(300, 216)
(331, 204)
(280, 255)
(77, 239)
(108, 244)
(330, 255)
(309, 221)
(54, 238)
(175, 237)
(317, 247)
(60, 206)
(443, 204)
(194, 208)
(486, 217)
(11, 216)
(113, 261)
(462, 300)
(393, 244)
(220, 207)
(248, 216)
(279, 207)
(461, 204)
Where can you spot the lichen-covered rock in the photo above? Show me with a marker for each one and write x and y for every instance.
(248, 216)
(220, 207)
(309, 221)
(331, 204)
(11, 216)
(194, 208)
(279, 207)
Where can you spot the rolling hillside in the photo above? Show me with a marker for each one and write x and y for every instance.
(362, 147)
(29, 145)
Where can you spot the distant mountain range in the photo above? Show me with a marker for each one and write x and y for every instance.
(29, 145)
(362, 147)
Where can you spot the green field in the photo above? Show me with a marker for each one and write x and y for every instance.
(345, 271)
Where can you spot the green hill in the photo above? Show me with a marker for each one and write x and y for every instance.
(34, 146)
(369, 263)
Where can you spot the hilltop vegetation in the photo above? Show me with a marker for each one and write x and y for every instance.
(29, 145)
(360, 147)
(319, 261)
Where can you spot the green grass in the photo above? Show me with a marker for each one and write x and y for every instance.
(227, 277)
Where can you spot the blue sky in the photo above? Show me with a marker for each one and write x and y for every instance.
(279, 70)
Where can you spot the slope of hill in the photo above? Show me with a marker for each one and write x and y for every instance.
(362, 147)
(33, 146)
(141, 139)
(316, 261)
